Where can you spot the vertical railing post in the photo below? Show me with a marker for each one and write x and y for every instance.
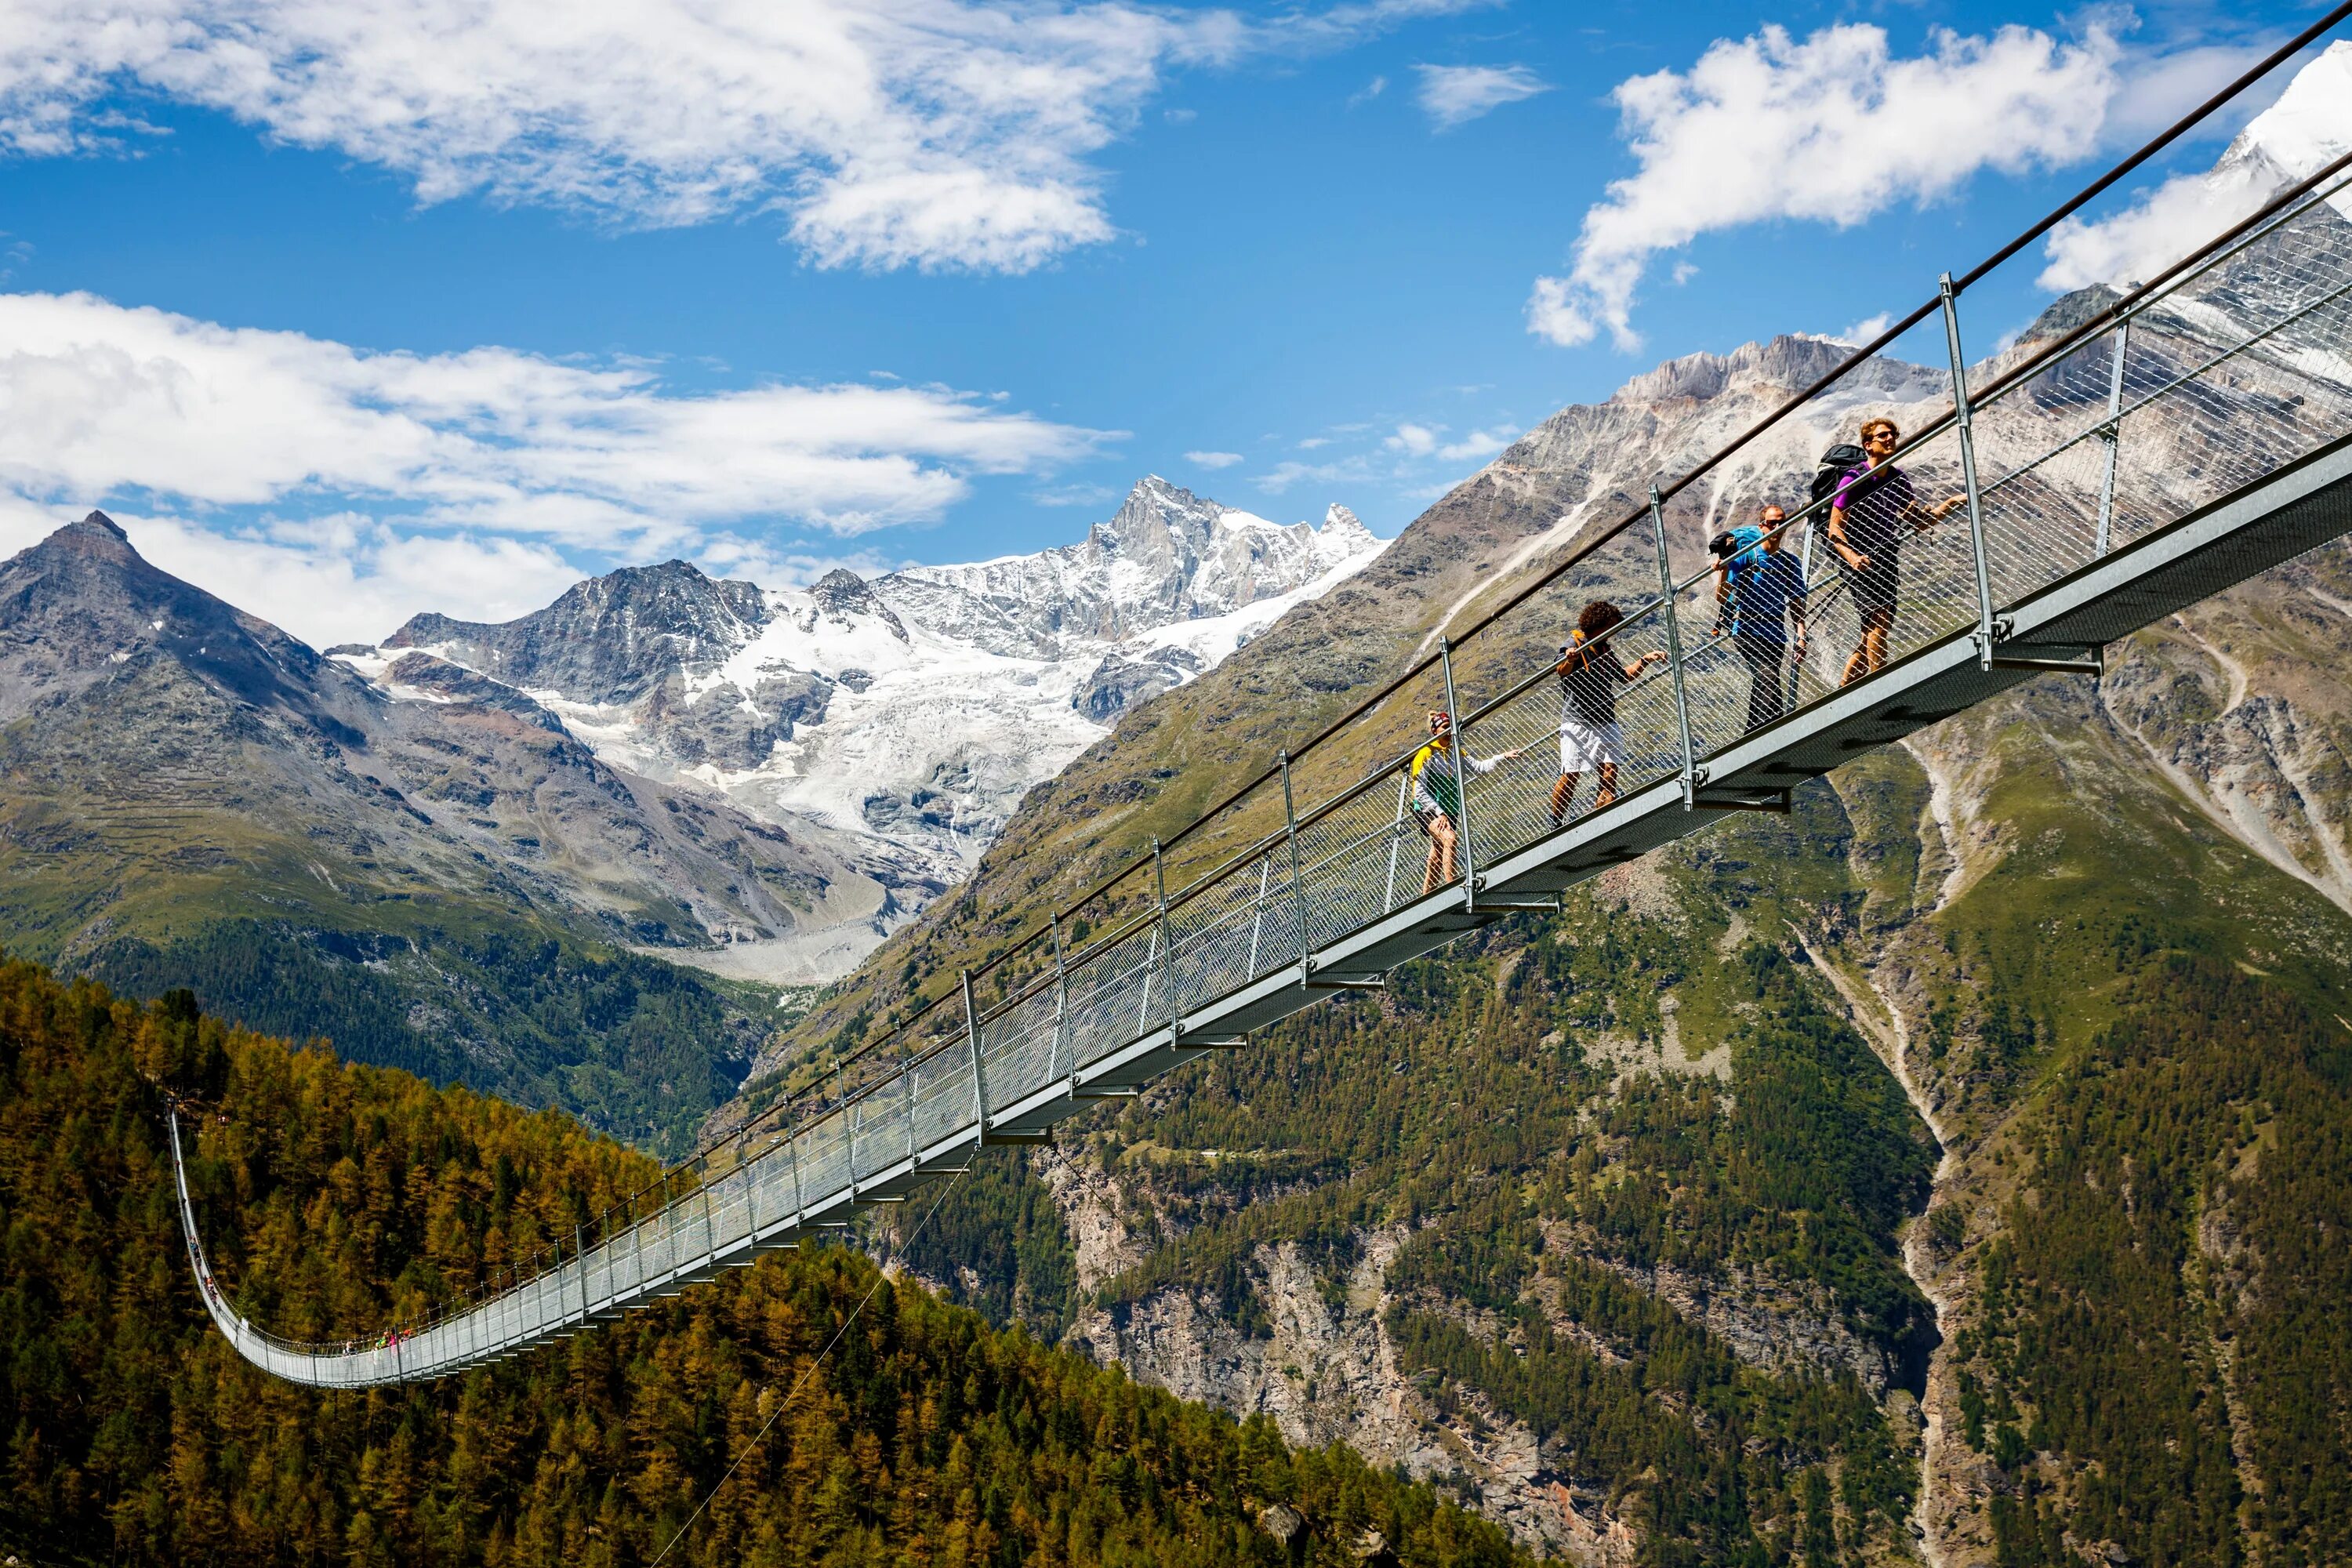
(743, 1160)
(1674, 648)
(800, 1199)
(1804, 575)
(1396, 840)
(1150, 968)
(1061, 1003)
(1167, 944)
(1298, 885)
(580, 1255)
(907, 1094)
(848, 1126)
(637, 1246)
(1257, 912)
(1950, 298)
(710, 1224)
(2112, 433)
(1461, 777)
(979, 1077)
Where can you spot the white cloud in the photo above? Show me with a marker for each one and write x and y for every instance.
(1867, 329)
(1479, 445)
(1832, 129)
(892, 133)
(2154, 231)
(1412, 440)
(2308, 126)
(1455, 95)
(1074, 495)
(2159, 87)
(1284, 475)
(1370, 91)
(336, 491)
(97, 399)
(349, 578)
(1212, 459)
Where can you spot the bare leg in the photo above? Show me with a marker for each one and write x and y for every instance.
(1562, 794)
(1870, 653)
(1440, 869)
(1607, 793)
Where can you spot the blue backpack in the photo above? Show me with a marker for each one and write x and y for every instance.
(1737, 547)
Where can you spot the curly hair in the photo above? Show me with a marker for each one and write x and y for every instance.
(1598, 617)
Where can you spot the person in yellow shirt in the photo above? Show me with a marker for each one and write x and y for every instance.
(1437, 796)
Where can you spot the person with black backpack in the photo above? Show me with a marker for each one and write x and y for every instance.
(1874, 511)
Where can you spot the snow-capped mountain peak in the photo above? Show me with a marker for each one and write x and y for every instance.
(2311, 124)
(1165, 556)
(903, 716)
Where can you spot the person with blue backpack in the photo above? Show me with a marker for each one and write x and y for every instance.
(1760, 589)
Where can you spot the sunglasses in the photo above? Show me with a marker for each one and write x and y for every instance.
(1876, 436)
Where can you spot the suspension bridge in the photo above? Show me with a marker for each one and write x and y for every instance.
(2176, 440)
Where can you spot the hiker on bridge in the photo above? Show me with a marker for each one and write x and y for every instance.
(1437, 795)
(1589, 735)
(1875, 508)
(1759, 592)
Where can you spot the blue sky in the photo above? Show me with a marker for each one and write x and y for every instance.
(355, 312)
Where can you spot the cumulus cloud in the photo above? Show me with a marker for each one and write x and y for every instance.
(892, 133)
(1455, 95)
(2309, 126)
(1834, 129)
(1212, 459)
(340, 483)
(1412, 440)
(352, 578)
(1283, 476)
(1479, 446)
(98, 398)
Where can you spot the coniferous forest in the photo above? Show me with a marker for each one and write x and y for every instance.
(336, 1197)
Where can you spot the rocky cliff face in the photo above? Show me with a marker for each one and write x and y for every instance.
(897, 721)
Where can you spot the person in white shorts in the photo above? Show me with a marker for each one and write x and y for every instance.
(1590, 739)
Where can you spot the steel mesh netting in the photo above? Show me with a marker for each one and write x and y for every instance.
(1111, 994)
(1230, 931)
(1019, 1045)
(1341, 850)
(823, 1150)
(945, 1101)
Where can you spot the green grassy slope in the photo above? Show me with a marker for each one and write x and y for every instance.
(2118, 999)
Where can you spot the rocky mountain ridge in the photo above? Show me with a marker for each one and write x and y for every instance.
(190, 797)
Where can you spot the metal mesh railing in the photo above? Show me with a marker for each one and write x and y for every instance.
(2073, 448)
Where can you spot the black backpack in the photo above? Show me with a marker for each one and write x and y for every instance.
(1836, 464)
